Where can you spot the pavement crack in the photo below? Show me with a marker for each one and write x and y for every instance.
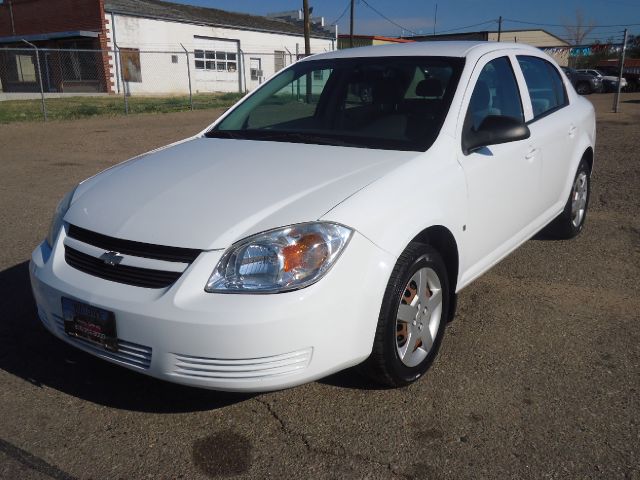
(289, 432)
(283, 426)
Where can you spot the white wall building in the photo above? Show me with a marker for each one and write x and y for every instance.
(227, 52)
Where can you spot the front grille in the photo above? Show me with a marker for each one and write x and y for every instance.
(241, 369)
(129, 247)
(129, 353)
(139, 277)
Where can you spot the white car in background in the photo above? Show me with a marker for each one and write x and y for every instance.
(327, 220)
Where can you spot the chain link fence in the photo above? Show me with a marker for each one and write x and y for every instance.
(40, 83)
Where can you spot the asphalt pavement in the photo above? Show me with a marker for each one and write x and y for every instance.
(538, 375)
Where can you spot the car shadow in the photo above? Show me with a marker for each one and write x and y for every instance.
(541, 236)
(631, 101)
(28, 351)
(351, 379)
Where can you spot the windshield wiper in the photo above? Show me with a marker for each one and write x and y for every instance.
(235, 134)
(282, 136)
(302, 137)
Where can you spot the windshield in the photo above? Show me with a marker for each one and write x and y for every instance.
(396, 103)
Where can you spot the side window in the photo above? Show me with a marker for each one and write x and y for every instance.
(496, 93)
(544, 83)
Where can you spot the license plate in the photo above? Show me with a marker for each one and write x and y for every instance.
(90, 323)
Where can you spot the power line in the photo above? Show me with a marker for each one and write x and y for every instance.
(609, 32)
(597, 37)
(342, 14)
(387, 18)
(467, 26)
(562, 25)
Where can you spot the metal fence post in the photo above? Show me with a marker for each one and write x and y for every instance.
(239, 66)
(124, 84)
(616, 100)
(189, 76)
(44, 105)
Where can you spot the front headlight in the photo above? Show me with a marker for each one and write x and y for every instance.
(280, 260)
(56, 221)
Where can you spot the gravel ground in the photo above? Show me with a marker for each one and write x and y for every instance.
(538, 377)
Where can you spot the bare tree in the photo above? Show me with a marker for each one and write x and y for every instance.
(578, 29)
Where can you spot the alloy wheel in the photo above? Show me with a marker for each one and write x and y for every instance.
(579, 195)
(419, 316)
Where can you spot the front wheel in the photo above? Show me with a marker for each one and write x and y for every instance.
(571, 221)
(412, 318)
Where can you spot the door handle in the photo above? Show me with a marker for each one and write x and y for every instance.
(531, 153)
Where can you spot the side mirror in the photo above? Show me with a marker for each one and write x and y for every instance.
(493, 130)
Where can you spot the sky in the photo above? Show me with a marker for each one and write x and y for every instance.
(418, 16)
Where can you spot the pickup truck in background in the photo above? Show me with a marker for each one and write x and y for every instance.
(584, 83)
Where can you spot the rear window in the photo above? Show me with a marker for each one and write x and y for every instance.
(544, 83)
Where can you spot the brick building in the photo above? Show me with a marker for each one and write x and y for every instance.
(53, 24)
(79, 39)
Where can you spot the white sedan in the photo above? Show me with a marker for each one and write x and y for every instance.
(328, 220)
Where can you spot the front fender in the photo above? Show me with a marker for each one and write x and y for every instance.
(427, 191)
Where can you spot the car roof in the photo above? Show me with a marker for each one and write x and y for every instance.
(435, 48)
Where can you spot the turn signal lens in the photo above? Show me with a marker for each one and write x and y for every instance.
(309, 252)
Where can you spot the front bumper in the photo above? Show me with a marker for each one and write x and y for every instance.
(232, 342)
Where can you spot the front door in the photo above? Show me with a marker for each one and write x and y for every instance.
(502, 180)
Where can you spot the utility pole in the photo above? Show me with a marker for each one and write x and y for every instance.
(351, 26)
(499, 27)
(617, 99)
(307, 48)
(307, 28)
(13, 25)
(435, 19)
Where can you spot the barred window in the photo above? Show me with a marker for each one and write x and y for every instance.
(215, 61)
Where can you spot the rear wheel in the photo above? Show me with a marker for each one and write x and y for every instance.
(571, 221)
(412, 318)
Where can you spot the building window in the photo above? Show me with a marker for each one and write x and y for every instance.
(278, 60)
(318, 74)
(25, 68)
(215, 61)
(174, 58)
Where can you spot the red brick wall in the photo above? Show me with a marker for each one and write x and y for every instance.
(46, 16)
(105, 28)
(50, 16)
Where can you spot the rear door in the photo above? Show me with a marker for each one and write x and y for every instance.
(553, 130)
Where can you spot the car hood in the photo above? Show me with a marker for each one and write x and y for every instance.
(208, 193)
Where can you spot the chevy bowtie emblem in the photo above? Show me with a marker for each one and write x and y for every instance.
(111, 258)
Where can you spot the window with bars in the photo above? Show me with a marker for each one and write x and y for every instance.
(216, 61)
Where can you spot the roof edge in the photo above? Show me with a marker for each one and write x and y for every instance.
(115, 11)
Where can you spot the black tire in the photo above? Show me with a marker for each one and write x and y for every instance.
(583, 88)
(566, 225)
(385, 365)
